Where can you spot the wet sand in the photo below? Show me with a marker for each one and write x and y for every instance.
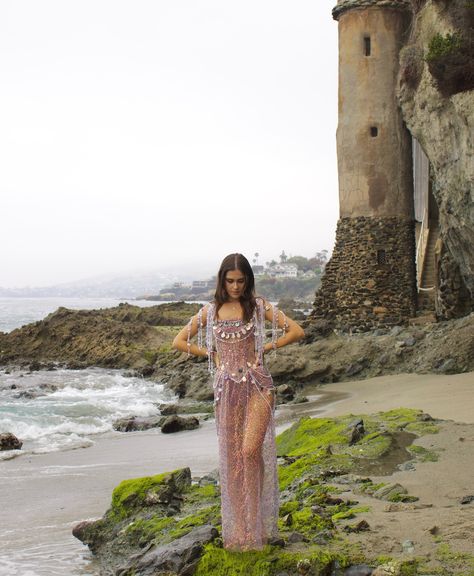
(44, 495)
(450, 397)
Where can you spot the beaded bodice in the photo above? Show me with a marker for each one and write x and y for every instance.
(239, 344)
(236, 350)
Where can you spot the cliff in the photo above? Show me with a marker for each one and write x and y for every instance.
(436, 95)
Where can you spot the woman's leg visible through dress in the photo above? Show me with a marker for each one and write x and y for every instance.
(233, 414)
(258, 417)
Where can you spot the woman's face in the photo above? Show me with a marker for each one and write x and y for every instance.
(234, 284)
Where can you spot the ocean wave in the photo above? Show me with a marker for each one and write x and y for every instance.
(76, 406)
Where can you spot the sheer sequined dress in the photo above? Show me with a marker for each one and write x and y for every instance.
(244, 400)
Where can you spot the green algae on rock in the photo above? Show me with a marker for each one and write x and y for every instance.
(149, 513)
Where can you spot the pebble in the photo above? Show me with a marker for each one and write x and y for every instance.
(408, 547)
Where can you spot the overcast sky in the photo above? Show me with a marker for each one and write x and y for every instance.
(159, 133)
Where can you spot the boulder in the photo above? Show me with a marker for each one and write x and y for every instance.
(176, 423)
(134, 423)
(178, 557)
(285, 392)
(168, 409)
(9, 441)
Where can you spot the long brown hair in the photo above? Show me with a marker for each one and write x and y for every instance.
(247, 300)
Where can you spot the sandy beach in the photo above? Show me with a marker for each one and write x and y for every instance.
(44, 495)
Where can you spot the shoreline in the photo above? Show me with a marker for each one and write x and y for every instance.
(44, 495)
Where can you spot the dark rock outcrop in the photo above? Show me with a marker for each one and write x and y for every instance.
(9, 441)
(180, 556)
(134, 423)
(176, 423)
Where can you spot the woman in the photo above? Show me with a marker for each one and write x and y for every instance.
(244, 399)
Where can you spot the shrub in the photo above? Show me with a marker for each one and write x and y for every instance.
(450, 61)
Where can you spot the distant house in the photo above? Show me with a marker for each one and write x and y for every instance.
(282, 271)
(200, 283)
(258, 270)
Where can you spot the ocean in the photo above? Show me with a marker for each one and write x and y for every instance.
(57, 412)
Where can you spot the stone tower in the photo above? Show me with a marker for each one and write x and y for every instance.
(370, 279)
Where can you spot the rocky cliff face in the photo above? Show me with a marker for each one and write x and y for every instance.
(436, 96)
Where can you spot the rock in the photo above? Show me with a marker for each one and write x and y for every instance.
(331, 501)
(86, 530)
(299, 399)
(408, 547)
(407, 466)
(29, 394)
(361, 526)
(379, 310)
(138, 498)
(354, 369)
(410, 341)
(388, 569)
(49, 387)
(447, 366)
(358, 570)
(379, 332)
(389, 491)
(297, 537)
(180, 556)
(396, 330)
(210, 478)
(357, 431)
(9, 441)
(135, 423)
(444, 127)
(168, 409)
(434, 530)
(467, 499)
(286, 391)
(287, 519)
(34, 366)
(177, 423)
(277, 541)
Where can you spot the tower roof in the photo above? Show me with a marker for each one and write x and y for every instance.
(345, 5)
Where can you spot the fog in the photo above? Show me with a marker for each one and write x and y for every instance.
(152, 134)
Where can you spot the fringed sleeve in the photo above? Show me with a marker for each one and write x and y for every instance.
(210, 336)
(204, 336)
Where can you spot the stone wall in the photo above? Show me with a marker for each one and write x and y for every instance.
(370, 279)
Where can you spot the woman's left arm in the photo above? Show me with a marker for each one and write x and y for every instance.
(292, 330)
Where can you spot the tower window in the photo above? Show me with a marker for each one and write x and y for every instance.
(381, 257)
(374, 131)
(367, 46)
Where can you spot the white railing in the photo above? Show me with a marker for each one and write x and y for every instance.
(421, 253)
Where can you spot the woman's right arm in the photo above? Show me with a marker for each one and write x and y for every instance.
(182, 339)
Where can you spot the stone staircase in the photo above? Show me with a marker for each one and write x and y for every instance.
(426, 299)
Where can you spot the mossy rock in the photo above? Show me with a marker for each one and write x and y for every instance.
(136, 493)
(269, 561)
